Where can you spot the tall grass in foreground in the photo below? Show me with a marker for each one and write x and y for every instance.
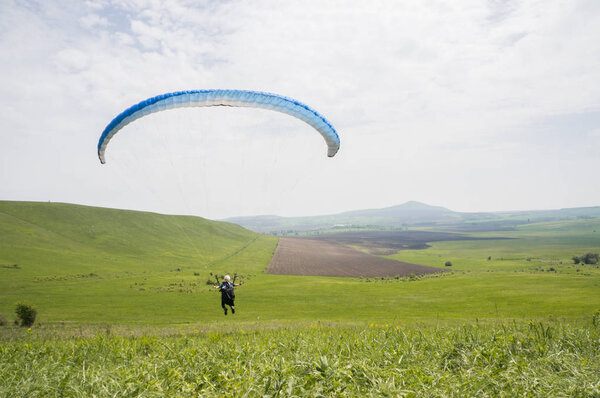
(536, 359)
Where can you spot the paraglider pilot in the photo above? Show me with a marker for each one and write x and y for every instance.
(227, 293)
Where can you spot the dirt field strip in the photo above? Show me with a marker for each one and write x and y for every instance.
(297, 256)
(389, 242)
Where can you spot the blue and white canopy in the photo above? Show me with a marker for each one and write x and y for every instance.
(242, 98)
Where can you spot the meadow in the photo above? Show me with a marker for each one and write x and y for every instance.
(85, 265)
(533, 359)
(124, 309)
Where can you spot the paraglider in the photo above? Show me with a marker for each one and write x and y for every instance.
(236, 98)
(227, 293)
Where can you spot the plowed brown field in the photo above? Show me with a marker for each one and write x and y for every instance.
(297, 256)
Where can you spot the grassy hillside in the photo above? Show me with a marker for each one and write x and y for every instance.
(79, 263)
(58, 231)
(83, 265)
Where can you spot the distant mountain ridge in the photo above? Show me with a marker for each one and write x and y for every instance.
(411, 213)
(408, 210)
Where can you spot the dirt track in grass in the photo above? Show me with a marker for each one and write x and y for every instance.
(297, 256)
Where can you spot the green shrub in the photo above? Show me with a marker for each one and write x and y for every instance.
(26, 314)
(448, 264)
(3, 321)
(588, 258)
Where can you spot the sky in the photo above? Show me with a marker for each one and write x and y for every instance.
(472, 105)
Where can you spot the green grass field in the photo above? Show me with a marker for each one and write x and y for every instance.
(530, 247)
(124, 310)
(535, 359)
(85, 265)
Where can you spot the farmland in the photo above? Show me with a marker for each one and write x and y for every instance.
(319, 257)
(391, 241)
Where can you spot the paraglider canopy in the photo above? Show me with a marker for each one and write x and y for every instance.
(236, 98)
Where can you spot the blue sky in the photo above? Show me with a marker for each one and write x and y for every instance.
(472, 105)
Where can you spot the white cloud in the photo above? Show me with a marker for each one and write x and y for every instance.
(90, 21)
(434, 101)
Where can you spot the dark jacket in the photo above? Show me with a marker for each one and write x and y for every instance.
(227, 292)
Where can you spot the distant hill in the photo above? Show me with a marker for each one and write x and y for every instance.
(411, 214)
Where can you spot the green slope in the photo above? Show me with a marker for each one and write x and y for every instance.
(76, 261)
(56, 228)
